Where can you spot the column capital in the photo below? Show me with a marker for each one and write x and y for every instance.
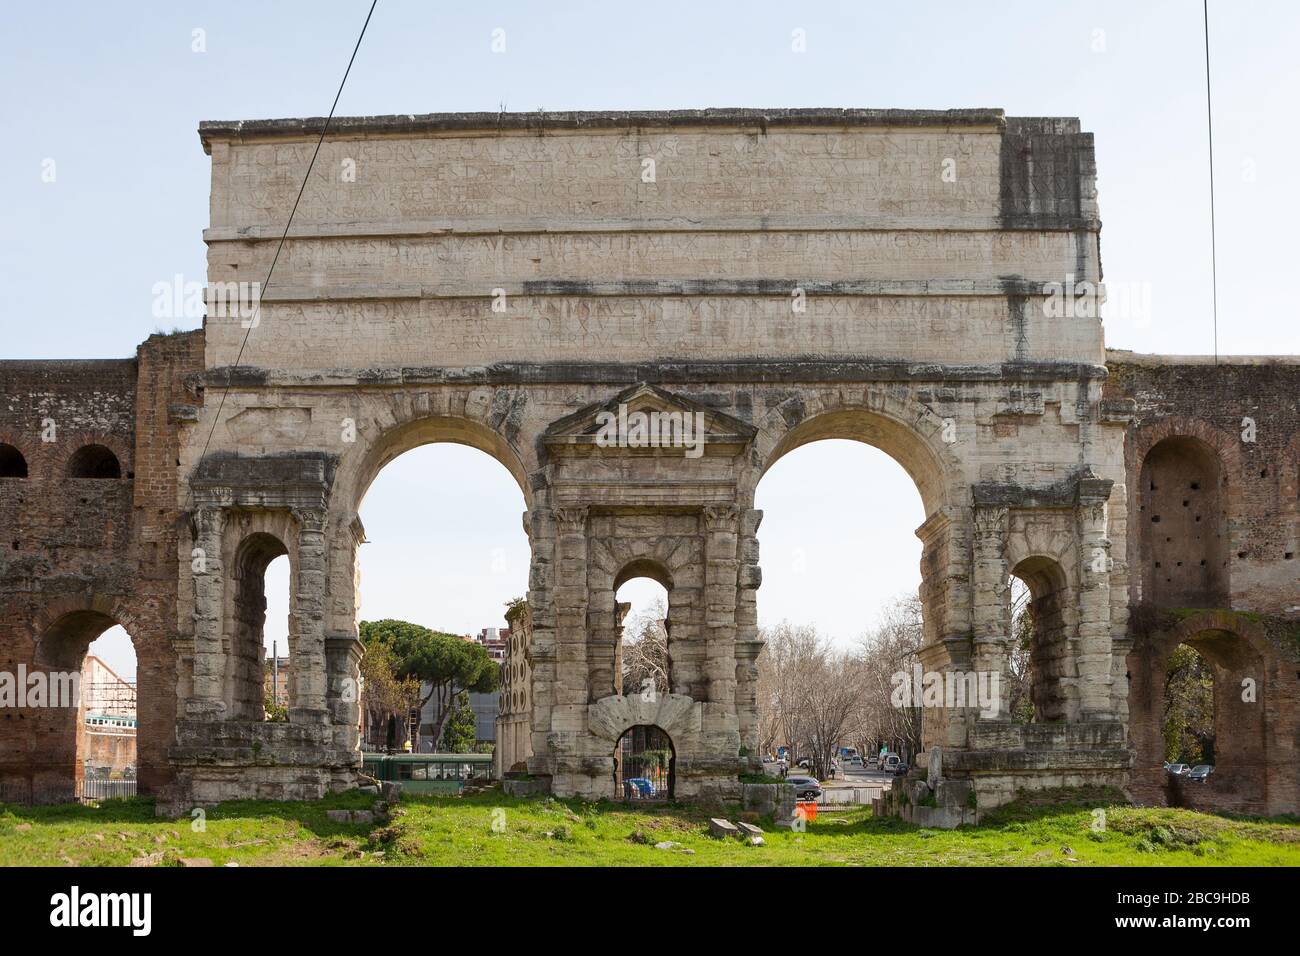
(310, 519)
(571, 519)
(991, 521)
(721, 517)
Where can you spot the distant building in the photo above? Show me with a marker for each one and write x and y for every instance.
(495, 640)
(106, 725)
(514, 723)
(276, 672)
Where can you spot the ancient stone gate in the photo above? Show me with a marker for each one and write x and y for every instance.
(516, 283)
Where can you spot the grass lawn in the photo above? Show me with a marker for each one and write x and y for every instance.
(459, 831)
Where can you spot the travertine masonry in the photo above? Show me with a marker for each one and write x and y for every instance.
(511, 281)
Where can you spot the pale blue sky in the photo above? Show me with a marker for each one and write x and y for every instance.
(112, 94)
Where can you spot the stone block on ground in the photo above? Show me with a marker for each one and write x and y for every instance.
(722, 829)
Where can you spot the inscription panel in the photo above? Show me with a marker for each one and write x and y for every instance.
(867, 173)
(959, 330)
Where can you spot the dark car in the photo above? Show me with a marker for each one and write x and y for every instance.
(805, 788)
(893, 764)
(1200, 773)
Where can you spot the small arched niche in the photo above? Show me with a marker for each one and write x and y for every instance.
(12, 462)
(94, 461)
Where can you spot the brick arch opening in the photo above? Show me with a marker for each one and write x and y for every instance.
(59, 736)
(94, 461)
(1183, 538)
(1254, 690)
(12, 462)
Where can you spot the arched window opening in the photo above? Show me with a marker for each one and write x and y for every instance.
(1182, 542)
(642, 662)
(1188, 721)
(1213, 715)
(1043, 670)
(88, 713)
(94, 461)
(645, 764)
(277, 666)
(108, 718)
(250, 683)
(12, 462)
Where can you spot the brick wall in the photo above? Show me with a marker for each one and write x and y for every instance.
(1211, 463)
(80, 555)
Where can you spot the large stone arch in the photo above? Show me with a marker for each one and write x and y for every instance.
(908, 431)
(1255, 722)
(385, 432)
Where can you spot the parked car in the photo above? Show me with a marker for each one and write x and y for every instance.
(855, 761)
(873, 762)
(638, 788)
(1200, 773)
(889, 763)
(805, 788)
(1179, 769)
(805, 764)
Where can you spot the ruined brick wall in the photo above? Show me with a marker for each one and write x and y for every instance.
(81, 554)
(1212, 454)
(1206, 407)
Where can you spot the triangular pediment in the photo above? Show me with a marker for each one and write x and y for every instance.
(647, 417)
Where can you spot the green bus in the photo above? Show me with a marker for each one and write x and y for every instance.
(429, 773)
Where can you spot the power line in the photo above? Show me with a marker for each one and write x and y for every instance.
(252, 324)
(1209, 124)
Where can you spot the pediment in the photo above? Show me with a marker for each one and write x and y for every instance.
(648, 418)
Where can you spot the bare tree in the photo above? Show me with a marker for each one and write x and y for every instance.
(1019, 664)
(832, 704)
(645, 650)
(891, 648)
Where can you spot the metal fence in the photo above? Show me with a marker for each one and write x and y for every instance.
(92, 789)
(837, 796)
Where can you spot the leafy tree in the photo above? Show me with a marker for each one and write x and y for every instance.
(446, 663)
(384, 695)
(1188, 726)
(460, 732)
(274, 711)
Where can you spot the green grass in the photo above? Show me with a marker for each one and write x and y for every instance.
(445, 831)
